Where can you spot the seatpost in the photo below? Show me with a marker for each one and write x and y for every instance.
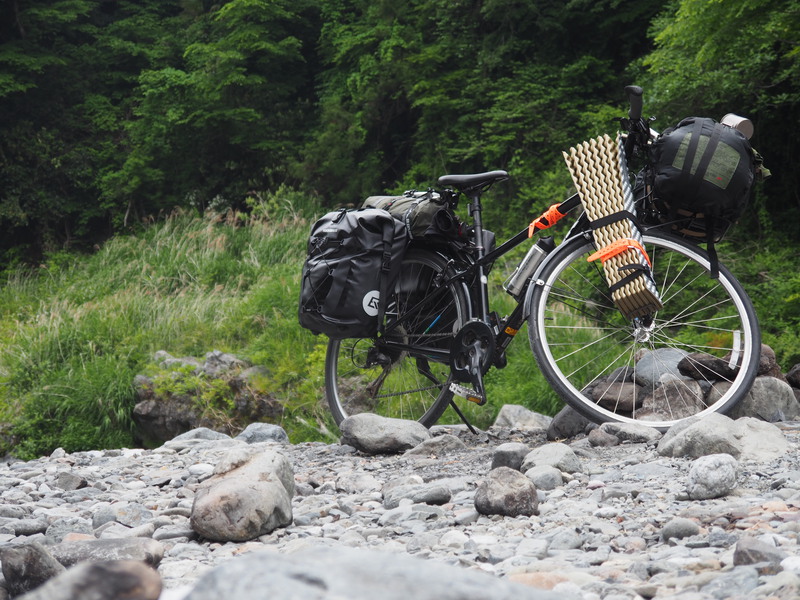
(477, 220)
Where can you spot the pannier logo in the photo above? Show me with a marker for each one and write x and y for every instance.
(371, 302)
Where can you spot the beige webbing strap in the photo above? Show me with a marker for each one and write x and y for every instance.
(600, 174)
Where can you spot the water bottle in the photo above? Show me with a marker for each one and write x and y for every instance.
(516, 283)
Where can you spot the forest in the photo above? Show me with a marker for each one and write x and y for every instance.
(115, 115)
(113, 112)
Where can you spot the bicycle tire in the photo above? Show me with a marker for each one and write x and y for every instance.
(366, 375)
(583, 344)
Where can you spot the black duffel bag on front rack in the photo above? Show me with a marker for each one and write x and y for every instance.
(701, 182)
(703, 177)
(353, 260)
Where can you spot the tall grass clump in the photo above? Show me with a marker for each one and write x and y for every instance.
(74, 332)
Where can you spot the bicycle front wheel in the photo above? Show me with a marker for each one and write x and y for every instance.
(405, 373)
(610, 368)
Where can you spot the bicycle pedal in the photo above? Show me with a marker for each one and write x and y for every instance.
(467, 394)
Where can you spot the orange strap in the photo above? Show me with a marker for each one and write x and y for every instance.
(618, 247)
(549, 218)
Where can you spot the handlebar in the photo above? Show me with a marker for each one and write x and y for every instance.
(635, 97)
(637, 130)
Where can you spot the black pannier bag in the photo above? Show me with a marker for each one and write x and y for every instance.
(352, 262)
(704, 173)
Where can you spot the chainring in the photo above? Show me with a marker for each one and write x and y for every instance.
(472, 351)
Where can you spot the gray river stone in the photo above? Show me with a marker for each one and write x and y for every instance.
(27, 566)
(374, 434)
(250, 495)
(355, 574)
(506, 492)
(712, 476)
(605, 530)
(654, 364)
(558, 455)
(105, 580)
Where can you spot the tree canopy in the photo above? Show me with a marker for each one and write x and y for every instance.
(112, 112)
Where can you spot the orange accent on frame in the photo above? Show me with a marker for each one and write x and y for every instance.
(549, 218)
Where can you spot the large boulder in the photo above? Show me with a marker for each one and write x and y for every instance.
(355, 574)
(375, 434)
(746, 438)
(27, 566)
(249, 495)
(130, 580)
(770, 399)
(161, 414)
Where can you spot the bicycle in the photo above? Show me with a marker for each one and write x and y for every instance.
(440, 335)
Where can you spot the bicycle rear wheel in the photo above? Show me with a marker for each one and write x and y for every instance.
(605, 366)
(405, 373)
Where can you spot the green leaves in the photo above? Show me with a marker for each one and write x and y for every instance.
(737, 56)
(113, 112)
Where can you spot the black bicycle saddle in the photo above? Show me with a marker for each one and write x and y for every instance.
(467, 183)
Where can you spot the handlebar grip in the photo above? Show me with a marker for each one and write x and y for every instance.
(635, 97)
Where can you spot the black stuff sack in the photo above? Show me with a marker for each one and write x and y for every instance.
(352, 261)
(704, 173)
(426, 215)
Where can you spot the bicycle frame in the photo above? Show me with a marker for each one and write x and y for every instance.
(441, 337)
(470, 269)
(474, 262)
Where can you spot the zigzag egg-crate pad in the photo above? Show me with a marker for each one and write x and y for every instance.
(600, 174)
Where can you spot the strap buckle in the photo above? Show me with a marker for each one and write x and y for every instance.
(618, 247)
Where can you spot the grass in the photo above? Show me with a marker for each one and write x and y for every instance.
(76, 330)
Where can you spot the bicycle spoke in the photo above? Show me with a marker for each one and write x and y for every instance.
(583, 338)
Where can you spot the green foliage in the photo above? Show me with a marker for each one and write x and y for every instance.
(220, 120)
(271, 206)
(256, 114)
(415, 91)
(768, 272)
(113, 112)
(76, 332)
(82, 405)
(212, 395)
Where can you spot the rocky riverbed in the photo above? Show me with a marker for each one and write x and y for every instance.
(709, 510)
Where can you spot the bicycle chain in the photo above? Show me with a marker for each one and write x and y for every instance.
(426, 335)
(422, 389)
(403, 393)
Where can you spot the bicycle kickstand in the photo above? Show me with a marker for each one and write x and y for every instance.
(463, 417)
